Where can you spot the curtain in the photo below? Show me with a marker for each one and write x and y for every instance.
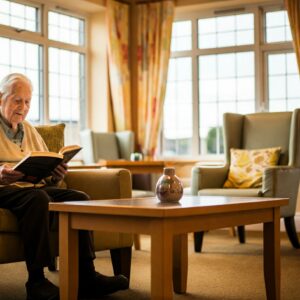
(117, 18)
(293, 9)
(154, 28)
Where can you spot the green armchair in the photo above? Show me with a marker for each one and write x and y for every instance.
(257, 131)
(99, 184)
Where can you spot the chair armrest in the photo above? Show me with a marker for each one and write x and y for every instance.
(208, 177)
(282, 181)
(101, 183)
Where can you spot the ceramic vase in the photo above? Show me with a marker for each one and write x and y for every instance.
(169, 187)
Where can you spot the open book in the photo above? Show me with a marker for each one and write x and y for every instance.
(39, 164)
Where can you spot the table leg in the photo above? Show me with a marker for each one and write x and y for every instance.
(68, 258)
(136, 242)
(161, 263)
(180, 263)
(272, 256)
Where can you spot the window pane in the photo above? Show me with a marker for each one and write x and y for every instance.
(226, 31)
(66, 90)
(65, 28)
(177, 121)
(283, 82)
(277, 27)
(228, 88)
(22, 57)
(19, 15)
(181, 36)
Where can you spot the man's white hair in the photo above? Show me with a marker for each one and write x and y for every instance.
(8, 82)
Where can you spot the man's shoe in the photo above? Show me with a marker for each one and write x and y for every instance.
(42, 290)
(99, 285)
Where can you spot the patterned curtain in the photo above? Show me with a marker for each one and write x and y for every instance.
(117, 16)
(293, 9)
(154, 25)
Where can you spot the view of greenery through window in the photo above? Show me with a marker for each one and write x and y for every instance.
(219, 73)
(60, 82)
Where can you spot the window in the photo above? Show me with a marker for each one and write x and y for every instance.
(277, 27)
(178, 106)
(226, 31)
(284, 83)
(60, 82)
(19, 15)
(22, 57)
(65, 29)
(232, 67)
(181, 36)
(226, 83)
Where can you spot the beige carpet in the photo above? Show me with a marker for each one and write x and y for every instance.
(225, 270)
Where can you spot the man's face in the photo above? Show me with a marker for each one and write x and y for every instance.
(15, 105)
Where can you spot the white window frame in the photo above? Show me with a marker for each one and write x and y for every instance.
(41, 38)
(260, 49)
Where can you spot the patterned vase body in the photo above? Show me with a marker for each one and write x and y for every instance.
(169, 187)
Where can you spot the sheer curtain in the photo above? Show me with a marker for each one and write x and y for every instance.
(154, 26)
(293, 9)
(117, 18)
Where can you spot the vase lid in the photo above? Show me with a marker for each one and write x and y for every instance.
(169, 171)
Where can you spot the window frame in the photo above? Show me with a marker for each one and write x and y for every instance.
(41, 38)
(260, 48)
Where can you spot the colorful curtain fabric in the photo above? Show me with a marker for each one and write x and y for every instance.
(117, 18)
(154, 25)
(293, 9)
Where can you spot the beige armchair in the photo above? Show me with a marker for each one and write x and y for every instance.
(99, 184)
(106, 145)
(256, 131)
(114, 146)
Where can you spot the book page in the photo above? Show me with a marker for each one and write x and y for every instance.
(69, 152)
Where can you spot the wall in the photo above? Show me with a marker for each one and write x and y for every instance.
(98, 117)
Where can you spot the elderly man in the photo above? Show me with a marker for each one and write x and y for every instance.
(30, 204)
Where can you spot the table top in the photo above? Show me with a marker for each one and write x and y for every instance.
(152, 207)
(124, 163)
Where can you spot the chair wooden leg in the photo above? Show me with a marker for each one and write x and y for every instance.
(136, 242)
(290, 228)
(241, 234)
(121, 261)
(232, 231)
(53, 265)
(198, 240)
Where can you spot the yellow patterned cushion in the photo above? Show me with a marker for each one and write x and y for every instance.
(247, 166)
(53, 135)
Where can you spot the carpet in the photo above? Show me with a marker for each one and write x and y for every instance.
(224, 270)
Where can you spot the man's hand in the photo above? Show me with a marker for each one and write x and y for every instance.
(59, 172)
(8, 175)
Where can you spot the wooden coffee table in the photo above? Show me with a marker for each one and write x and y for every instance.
(168, 225)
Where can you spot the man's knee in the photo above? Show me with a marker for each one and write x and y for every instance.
(39, 199)
(83, 196)
(79, 196)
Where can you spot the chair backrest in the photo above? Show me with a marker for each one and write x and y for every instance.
(53, 135)
(106, 145)
(264, 130)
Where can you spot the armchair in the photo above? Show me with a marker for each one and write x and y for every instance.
(106, 145)
(114, 146)
(99, 184)
(256, 131)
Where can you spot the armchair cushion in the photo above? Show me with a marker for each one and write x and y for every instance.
(53, 135)
(8, 221)
(246, 167)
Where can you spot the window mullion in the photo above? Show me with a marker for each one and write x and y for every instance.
(195, 95)
(260, 70)
(45, 105)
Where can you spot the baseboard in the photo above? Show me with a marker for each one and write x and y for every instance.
(259, 227)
